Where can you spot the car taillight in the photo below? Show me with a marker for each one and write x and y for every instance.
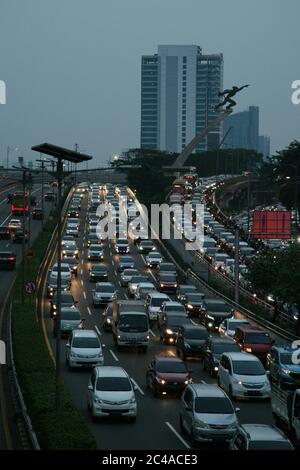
(11, 258)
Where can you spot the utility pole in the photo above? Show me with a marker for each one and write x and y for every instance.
(236, 265)
(248, 207)
(58, 294)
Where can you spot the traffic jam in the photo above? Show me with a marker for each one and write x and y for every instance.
(134, 329)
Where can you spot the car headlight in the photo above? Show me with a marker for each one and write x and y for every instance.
(210, 324)
(248, 350)
(190, 306)
(200, 425)
(186, 382)
(72, 354)
(162, 285)
(132, 401)
(169, 332)
(162, 381)
(285, 371)
(97, 400)
(108, 320)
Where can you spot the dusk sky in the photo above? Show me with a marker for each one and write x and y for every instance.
(72, 67)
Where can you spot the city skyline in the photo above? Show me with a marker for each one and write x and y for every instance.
(72, 73)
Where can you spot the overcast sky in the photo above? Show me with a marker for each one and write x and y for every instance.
(72, 67)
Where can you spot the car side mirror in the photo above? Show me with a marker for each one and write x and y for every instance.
(90, 387)
(67, 344)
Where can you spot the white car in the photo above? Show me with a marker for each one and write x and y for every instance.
(153, 259)
(242, 375)
(110, 393)
(154, 302)
(228, 326)
(15, 223)
(72, 229)
(127, 274)
(84, 349)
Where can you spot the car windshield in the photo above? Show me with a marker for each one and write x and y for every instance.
(86, 342)
(69, 247)
(218, 307)
(177, 321)
(99, 268)
(185, 289)
(66, 298)
(196, 334)
(175, 308)
(270, 445)
(287, 358)
(70, 314)
(156, 301)
(129, 272)
(95, 247)
(258, 338)
(113, 384)
(64, 269)
(147, 243)
(167, 267)
(168, 278)
(195, 298)
(213, 405)
(133, 322)
(171, 367)
(233, 325)
(220, 348)
(106, 289)
(248, 368)
(154, 255)
(123, 242)
(126, 259)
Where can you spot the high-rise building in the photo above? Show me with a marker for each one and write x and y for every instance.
(264, 145)
(179, 90)
(243, 129)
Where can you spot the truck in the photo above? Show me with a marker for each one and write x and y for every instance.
(285, 402)
(130, 324)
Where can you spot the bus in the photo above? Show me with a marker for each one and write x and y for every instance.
(20, 203)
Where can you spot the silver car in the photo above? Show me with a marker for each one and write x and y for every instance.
(111, 393)
(127, 274)
(104, 293)
(207, 414)
(70, 319)
(84, 349)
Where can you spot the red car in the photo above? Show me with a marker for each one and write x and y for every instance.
(167, 374)
(254, 340)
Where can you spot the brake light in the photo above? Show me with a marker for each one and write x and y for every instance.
(11, 258)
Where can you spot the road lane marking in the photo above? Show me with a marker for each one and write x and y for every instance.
(7, 245)
(97, 329)
(203, 382)
(89, 311)
(6, 219)
(177, 435)
(84, 295)
(81, 282)
(126, 296)
(113, 355)
(151, 273)
(81, 272)
(82, 261)
(143, 258)
(151, 332)
(137, 386)
(113, 262)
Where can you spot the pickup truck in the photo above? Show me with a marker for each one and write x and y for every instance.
(286, 409)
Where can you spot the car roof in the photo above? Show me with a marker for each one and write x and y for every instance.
(241, 356)
(158, 295)
(218, 340)
(167, 358)
(207, 390)
(85, 333)
(194, 327)
(105, 284)
(171, 303)
(263, 432)
(110, 371)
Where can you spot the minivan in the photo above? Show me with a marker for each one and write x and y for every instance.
(254, 340)
(130, 324)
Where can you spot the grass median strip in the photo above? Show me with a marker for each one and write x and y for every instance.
(63, 430)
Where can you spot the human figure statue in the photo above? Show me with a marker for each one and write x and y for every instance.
(228, 94)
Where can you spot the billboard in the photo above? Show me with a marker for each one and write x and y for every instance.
(272, 224)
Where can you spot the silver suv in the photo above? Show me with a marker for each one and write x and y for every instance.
(207, 414)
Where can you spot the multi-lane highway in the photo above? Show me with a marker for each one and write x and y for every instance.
(157, 424)
(8, 436)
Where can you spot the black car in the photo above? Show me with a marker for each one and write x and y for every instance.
(9, 198)
(93, 239)
(73, 213)
(125, 262)
(170, 326)
(214, 312)
(107, 317)
(213, 350)
(145, 246)
(5, 233)
(37, 214)
(7, 260)
(167, 283)
(98, 272)
(33, 200)
(183, 289)
(20, 235)
(191, 340)
(73, 263)
(67, 300)
(193, 302)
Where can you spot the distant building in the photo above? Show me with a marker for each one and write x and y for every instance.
(243, 129)
(264, 145)
(179, 90)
